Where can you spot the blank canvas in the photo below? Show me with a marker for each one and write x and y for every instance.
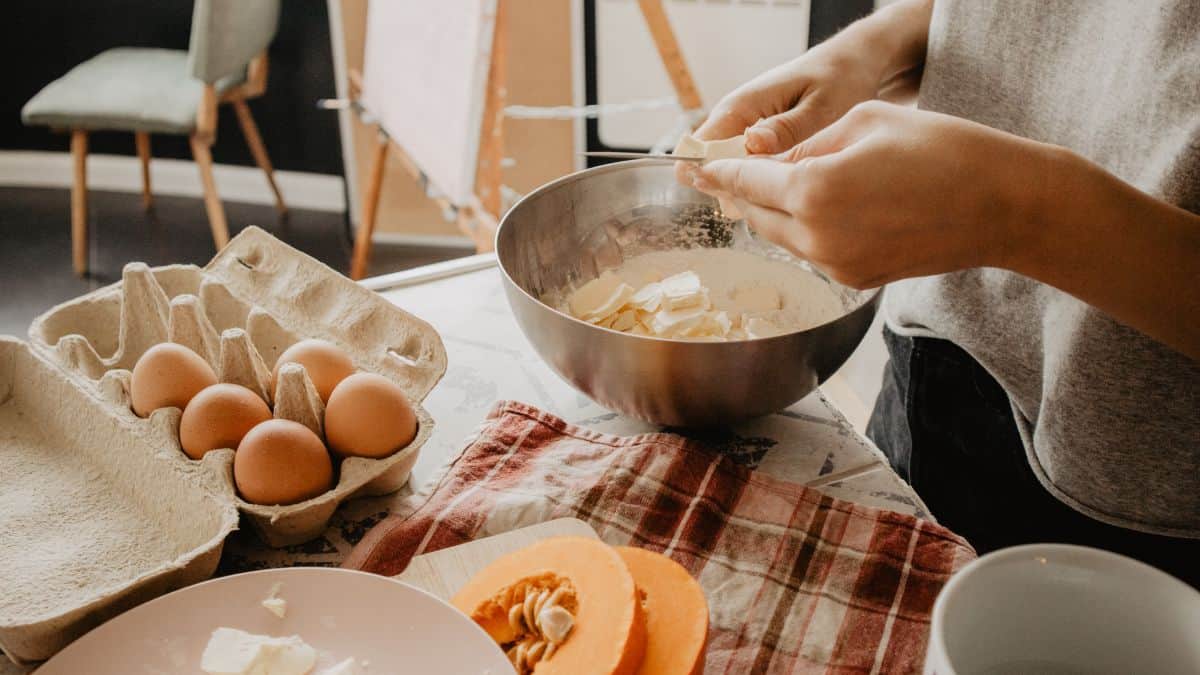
(425, 79)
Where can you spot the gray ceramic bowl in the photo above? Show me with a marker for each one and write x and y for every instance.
(575, 227)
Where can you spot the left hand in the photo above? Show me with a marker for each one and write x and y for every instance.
(889, 192)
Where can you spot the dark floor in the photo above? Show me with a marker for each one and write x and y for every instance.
(35, 243)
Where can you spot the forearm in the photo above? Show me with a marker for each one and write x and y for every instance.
(1118, 249)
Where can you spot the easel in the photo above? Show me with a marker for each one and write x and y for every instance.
(479, 217)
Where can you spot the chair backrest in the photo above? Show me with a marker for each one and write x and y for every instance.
(227, 34)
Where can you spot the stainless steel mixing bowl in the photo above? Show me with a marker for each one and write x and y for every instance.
(575, 227)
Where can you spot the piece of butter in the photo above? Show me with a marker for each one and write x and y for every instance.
(756, 298)
(690, 146)
(761, 328)
(625, 321)
(683, 290)
(725, 148)
(719, 324)
(648, 298)
(600, 298)
(713, 326)
(235, 652)
(276, 606)
(347, 667)
(673, 322)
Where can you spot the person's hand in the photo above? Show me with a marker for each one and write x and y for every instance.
(877, 57)
(889, 192)
(791, 102)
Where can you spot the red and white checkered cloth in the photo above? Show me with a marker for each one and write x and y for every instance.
(797, 582)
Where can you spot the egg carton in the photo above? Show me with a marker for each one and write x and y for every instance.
(65, 409)
(97, 514)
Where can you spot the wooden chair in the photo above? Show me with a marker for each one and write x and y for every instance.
(170, 91)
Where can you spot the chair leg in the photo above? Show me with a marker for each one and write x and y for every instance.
(142, 140)
(212, 203)
(254, 141)
(79, 224)
(362, 240)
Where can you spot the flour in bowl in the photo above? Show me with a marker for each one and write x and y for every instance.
(713, 294)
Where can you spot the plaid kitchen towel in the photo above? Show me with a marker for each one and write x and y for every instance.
(797, 582)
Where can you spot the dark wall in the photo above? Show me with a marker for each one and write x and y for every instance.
(827, 17)
(43, 39)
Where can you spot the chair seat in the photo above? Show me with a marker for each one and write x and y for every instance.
(124, 89)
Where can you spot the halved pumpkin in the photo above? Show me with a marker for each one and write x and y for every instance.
(564, 605)
(676, 613)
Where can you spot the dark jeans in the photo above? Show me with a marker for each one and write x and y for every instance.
(948, 429)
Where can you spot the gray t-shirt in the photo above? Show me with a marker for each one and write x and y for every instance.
(1110, 418)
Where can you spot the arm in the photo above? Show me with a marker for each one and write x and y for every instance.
(1116, 248)
(878, 56)
(889, 193)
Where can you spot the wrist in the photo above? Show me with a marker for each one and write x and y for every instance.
(1050, 180)
(889, 41)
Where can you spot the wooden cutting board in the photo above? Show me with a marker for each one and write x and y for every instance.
(443, 572)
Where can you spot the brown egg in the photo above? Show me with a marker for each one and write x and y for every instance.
(281, 462)
(168, 375)
(325, 364)
(368, 416)
(218, 417)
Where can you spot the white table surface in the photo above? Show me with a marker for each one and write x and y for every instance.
(490, 360)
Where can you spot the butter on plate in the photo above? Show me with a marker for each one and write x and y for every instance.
(235, 652)
(275, 604)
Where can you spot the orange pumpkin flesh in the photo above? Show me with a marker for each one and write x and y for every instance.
(676, 613)
(608, 633)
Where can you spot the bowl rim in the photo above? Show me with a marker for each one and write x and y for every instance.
(1064, 554)
(870, 295)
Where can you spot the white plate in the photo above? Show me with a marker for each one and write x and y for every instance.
(392, 626)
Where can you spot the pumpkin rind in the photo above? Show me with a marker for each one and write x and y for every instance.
(676, 613)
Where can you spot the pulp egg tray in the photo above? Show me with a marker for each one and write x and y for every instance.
(101, 510)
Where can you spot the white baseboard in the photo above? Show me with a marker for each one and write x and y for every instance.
(176, 177)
